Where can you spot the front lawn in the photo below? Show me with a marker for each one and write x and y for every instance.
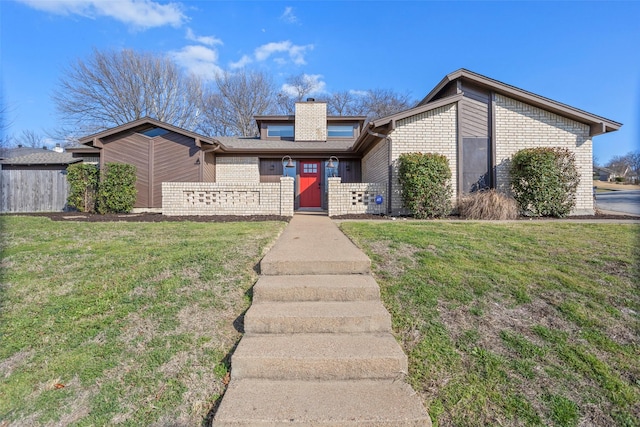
(525, 323)
(107, 323)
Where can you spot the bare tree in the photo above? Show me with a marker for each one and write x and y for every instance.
(238, 97)
(621, 165)
(5, 124)
(30, 138)
(344, 103)
(384, 102)
(296, 89)
(373, 103)
(114, 87)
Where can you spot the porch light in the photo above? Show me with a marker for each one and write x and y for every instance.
(289, 164)
(333, 164)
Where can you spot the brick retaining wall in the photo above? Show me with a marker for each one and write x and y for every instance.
(208, 198)
(356, 198)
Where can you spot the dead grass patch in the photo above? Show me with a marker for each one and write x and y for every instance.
(488, 205)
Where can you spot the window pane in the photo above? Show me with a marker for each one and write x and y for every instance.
(154, 132)
(280, 130)
(340, 130)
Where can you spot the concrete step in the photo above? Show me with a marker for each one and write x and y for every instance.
(313, 244)
(318, 357)
(352, 287)
(282, 266)
(317, 317)
(377, 403)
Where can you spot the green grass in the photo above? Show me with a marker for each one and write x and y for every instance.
(105, 323)
(525, 323)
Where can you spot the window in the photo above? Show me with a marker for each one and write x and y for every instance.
(340, 131)
(309, 168)
(154, 132)
(283, 131)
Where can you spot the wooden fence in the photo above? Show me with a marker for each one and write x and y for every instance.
(29, 190)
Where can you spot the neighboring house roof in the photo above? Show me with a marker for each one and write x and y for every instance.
(7, 153)
(599, 125)
(41, 157)
(141, 124)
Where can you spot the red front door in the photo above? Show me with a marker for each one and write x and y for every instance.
(309, 184)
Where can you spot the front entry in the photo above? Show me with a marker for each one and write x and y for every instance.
(310, 184)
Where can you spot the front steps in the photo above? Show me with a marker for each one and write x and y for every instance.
(318, 348)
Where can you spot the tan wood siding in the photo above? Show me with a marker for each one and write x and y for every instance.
(475, 118)
(270, 170)
(171, 157)
(209, 168)
(131, 148)
(350, 171)
(175, 159)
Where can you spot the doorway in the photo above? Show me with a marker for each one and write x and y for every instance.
(310, 182)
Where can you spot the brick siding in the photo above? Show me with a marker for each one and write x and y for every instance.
(237, 170)
(207, 198)
(433, 131)
(519, 126)
(375, 164)
(311, 121)
(355, 198)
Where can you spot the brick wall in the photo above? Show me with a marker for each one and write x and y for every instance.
(519, 125)
(375, 164)
(236, 170)
(434, 131)
(311, 121)
(207, 198)
(355, 198)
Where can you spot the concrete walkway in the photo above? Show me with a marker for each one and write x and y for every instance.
(318, 348)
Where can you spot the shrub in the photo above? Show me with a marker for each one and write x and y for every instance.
(83, 184)
(488, 204)
(425, 180)
(544, 181)
(117, 191)
(619, 179)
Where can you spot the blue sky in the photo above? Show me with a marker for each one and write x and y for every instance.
(585, 54)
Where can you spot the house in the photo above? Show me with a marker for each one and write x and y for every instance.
(603, 174)
(34, 179)
(310, 160)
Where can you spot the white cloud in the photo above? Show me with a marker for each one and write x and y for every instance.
(358, 92)
(313, 80)
(206, 40)
(294, 52)
(139, 13)
(245, 60)
(199, 60)
(288, 15)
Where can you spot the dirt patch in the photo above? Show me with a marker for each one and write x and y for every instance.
(7, 366)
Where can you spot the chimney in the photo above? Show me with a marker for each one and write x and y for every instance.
(311, 121)
(58, 148)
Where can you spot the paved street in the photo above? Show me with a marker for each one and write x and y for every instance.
(619, 201)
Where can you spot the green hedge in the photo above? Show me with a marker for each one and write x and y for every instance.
(117, 190)
(544, 181)
(83, 185)
(425, 180)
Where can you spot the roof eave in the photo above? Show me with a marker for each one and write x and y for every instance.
(598, 125)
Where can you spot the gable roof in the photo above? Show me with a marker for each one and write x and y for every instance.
(41, 157)
(598, 124)
(141, 123)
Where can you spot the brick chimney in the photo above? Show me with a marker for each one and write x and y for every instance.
(311, 121)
